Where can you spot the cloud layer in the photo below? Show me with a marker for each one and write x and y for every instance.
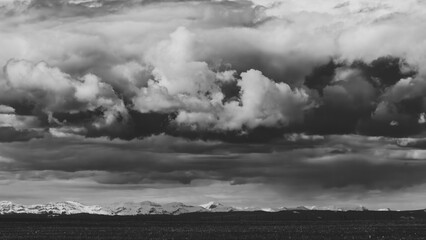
(302, 169)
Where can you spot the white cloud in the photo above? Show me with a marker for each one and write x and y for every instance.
(6, 109)
(55, 91)
(263, 103)
(18, 122)
(266, 103)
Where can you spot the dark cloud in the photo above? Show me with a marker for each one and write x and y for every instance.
(334, 162)
(352, 98)
(10, 134)
(321, 76)
(419, 143)
(386, 71)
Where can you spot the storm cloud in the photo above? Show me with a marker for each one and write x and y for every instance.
(298, 97)
(216, 68)
(299, 165)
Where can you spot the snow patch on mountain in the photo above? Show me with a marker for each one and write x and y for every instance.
(151, 208)
(325, 208)
(217, 207)
(180, 208)
(58, 208)
(133, 208)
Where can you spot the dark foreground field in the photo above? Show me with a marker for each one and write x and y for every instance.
(255, 225)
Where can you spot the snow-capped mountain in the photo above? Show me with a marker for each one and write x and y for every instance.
(58, 208)
(253, 209)
(299, 208)
(151, 208)
(179, 208)
(133, 208)
(147, 207)
(71, 207)
(357, 208)
(217, 207)
(324, 208)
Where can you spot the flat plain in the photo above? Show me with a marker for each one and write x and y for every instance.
(325, 225)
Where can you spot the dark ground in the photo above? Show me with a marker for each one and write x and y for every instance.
(325, 225)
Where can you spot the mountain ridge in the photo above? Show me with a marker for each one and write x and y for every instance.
(150, 208)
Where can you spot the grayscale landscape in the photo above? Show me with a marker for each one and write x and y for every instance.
(212, 119)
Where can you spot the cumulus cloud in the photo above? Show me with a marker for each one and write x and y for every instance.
(262, 102)
(227, 68)
(50, 90)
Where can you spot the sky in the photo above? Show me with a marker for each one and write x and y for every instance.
(245, 102)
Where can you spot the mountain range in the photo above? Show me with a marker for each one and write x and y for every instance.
(145, 208)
